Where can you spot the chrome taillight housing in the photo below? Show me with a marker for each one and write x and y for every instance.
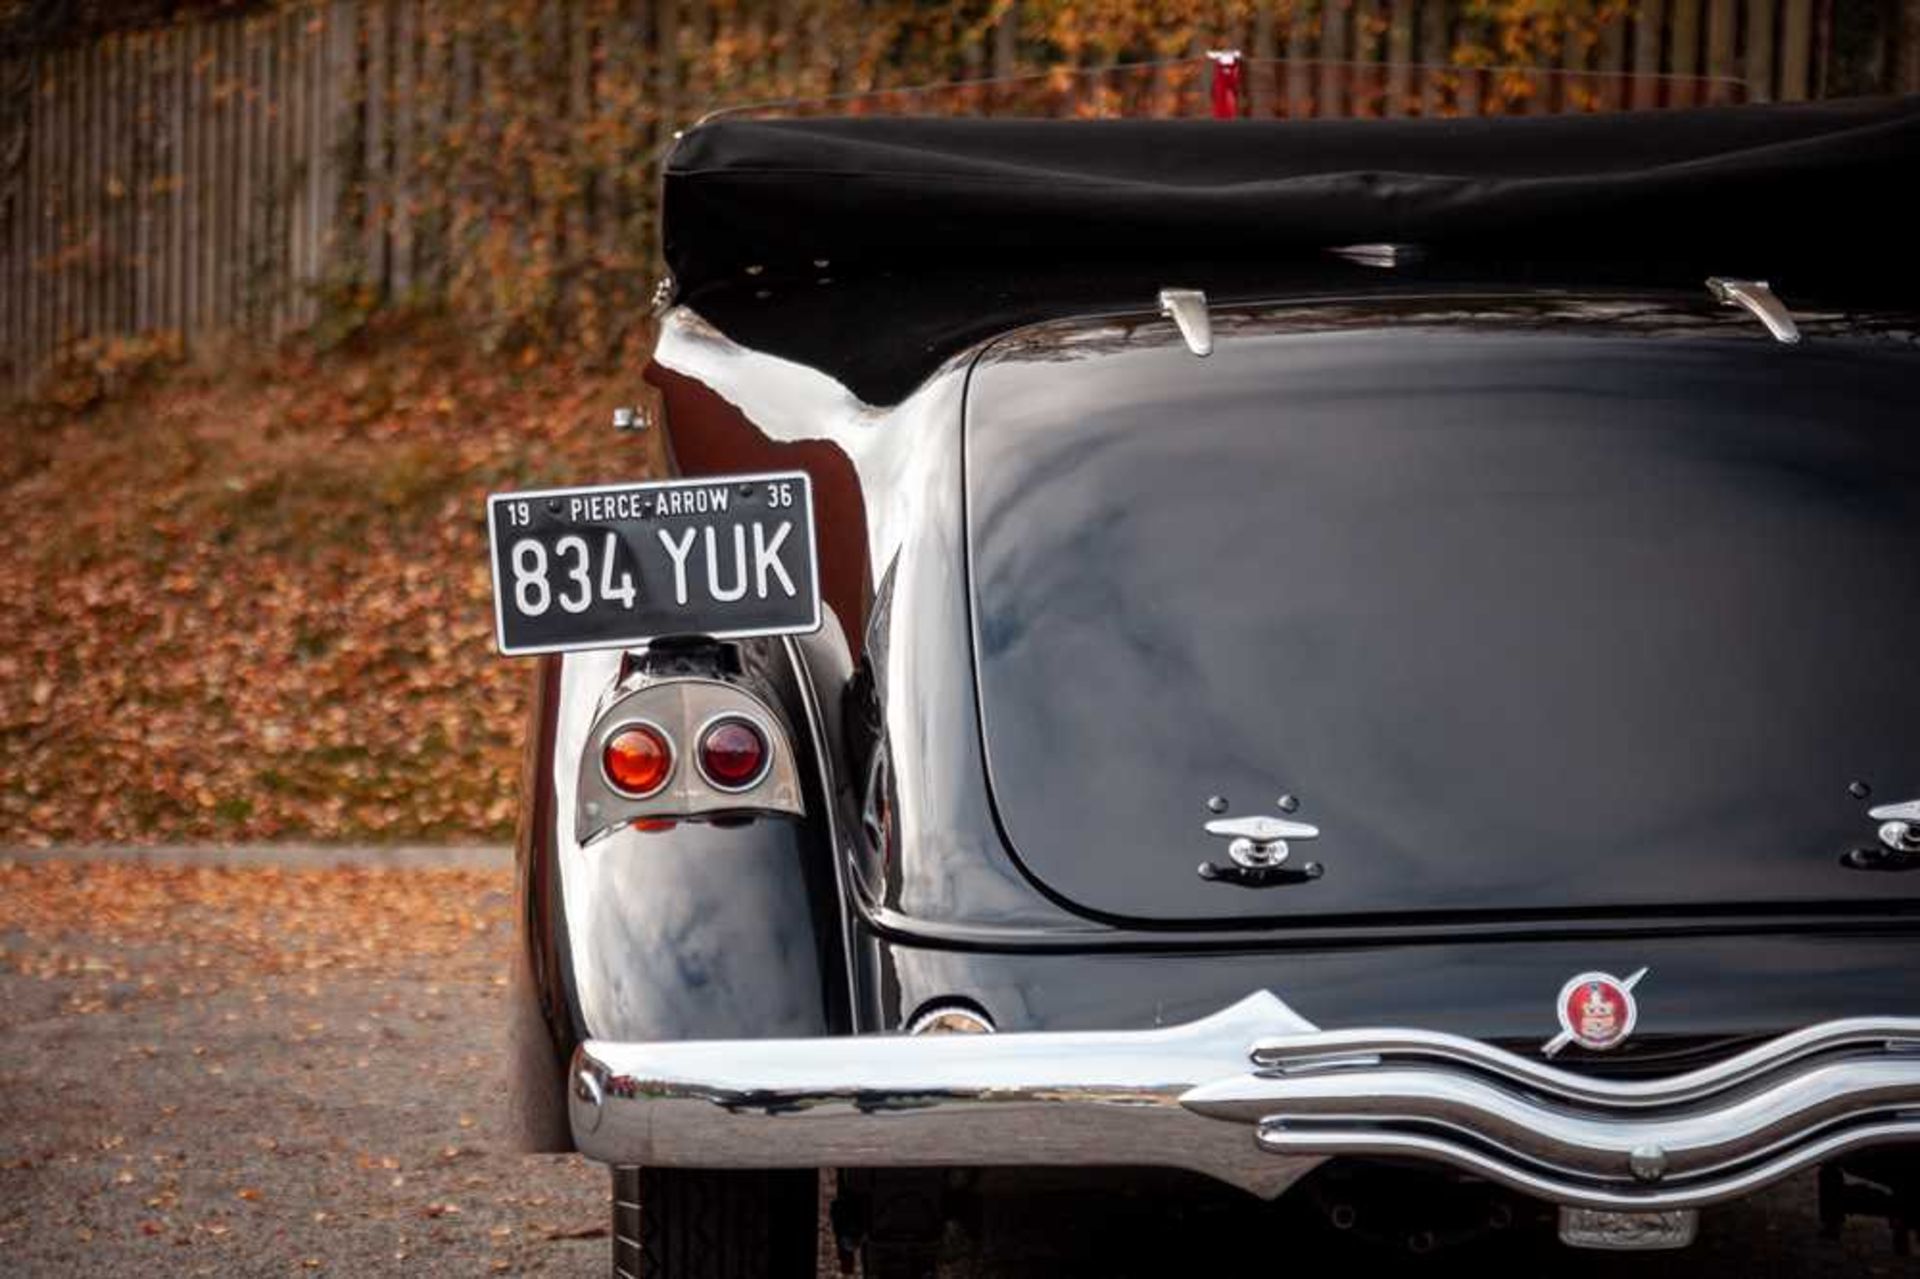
(665, 750)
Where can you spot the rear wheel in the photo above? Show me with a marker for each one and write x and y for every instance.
(687, 1223)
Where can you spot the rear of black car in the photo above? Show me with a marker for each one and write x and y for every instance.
(1457, 719)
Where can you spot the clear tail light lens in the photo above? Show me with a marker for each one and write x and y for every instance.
(733, 754)
(637, 760)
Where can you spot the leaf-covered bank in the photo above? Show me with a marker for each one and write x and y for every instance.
(253, 603)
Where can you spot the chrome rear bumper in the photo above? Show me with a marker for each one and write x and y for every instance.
(1255, 1096)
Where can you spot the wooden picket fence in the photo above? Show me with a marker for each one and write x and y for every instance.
(241, 174)
(175, 180)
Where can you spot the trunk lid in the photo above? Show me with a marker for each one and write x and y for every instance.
(1532, 617)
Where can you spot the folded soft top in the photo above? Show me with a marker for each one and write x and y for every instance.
(1806, 195)
(785, 193)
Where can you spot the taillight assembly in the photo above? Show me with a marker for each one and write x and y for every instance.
(637, 760)
(667, 751)
(733, 754)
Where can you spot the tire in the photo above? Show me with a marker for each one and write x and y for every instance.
(688, 1223)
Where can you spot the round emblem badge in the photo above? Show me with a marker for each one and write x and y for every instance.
(1597, 1011)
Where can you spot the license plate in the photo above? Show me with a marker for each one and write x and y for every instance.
(621, 564)
(1628, 1231)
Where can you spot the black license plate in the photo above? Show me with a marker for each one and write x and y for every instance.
(621, 564)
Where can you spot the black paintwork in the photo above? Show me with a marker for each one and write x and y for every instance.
(1560, 618)
(1698, 990)
(904, 883)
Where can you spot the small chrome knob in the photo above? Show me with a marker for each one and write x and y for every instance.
(1648, 1163)
(1901, 837)
(1258, 854)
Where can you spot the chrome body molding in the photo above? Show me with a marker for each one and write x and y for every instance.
(1255, 1096)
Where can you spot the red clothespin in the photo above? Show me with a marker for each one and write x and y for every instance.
(1227, 66)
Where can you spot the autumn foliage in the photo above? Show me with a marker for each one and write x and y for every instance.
(506, 156)
(254, 604)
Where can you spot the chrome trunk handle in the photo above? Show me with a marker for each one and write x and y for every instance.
(1757, 299)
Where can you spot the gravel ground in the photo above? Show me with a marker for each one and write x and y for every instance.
(284, 1068)
(259, 1070)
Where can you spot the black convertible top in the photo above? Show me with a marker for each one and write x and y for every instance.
(785, 226)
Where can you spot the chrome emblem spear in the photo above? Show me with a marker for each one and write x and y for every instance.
(1596, 1011)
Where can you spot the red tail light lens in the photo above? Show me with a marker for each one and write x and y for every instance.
(637, 760)
(734, 754)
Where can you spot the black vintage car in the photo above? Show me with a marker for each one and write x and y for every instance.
(1356, 655)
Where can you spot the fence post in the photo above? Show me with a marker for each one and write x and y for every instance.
(1335, 16)
(401, 114)
(1683, 52)
(1399, 57)
(1721, 20)
(1908, 78)
(1300, 45)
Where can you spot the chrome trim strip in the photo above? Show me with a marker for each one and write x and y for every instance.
(1183, 1096)
(1698, 1141)
(1288, 1054)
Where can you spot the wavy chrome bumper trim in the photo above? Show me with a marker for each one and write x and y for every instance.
(1184, 1096)
(1298, 1052)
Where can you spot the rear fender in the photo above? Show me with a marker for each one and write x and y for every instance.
(698, 931)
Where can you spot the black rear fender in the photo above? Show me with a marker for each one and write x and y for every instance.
(699, 930)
